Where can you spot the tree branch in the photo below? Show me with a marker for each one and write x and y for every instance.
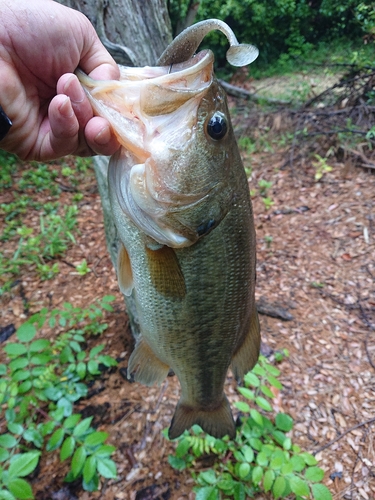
(245, 94)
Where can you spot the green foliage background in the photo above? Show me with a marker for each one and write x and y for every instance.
(282, 26)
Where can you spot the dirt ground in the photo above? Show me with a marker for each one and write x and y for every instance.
(316, 258)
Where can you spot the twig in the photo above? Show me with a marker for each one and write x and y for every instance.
(370, 273)
(330, 443)
(68, 189)
(68, 263)
(366, 162)
(291, 157)
(96, 265)
(342, 131)
(371, 330)
(131, 458)
(367, 351)
(273, 310)
(346, 81)
(332, 112)
(245, 94)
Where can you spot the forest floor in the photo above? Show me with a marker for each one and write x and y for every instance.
(315, 258)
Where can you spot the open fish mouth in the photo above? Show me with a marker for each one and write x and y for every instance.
(153, 112)
(151, 102)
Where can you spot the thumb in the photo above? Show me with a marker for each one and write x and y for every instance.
(95, 60)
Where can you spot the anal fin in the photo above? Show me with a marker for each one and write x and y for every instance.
(217, 422)
(165, 272)
(146, 366)
(124, 271)
(247, 354)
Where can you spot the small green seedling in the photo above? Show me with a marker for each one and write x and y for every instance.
(268, 202)
(321, 167)
(264, 186)
(268, 239)
(83, 268)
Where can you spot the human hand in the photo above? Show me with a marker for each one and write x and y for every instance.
(41, 44)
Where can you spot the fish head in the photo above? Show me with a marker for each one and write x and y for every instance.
(172, 174)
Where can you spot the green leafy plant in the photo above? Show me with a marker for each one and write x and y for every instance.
(268, 202)
(75, 172)
(371, 133)
(39, 385)
(365, 16)
(83, 268)
(52, 240)
(39, 178)
(7, 165)
(321, 167)
(317, 284)
(27, 189)
(77, 197)
(264, 186)
(262, 457)
(247, 144)
(268, 239)
(37, 248)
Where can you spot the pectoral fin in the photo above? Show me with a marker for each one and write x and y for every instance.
(216, 421)
(247, 354)
(124, 271)
(146, 366)
(166, 273)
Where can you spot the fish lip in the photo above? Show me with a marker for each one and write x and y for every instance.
(193, 65)
(190, 80)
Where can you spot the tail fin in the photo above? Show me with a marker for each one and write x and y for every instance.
(218, 421)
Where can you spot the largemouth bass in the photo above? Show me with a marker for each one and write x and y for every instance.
(181, 204)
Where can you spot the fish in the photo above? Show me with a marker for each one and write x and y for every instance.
(181, 205)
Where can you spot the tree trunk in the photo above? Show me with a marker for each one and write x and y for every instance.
(135, 33)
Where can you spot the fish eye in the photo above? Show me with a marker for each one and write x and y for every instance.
(217, 126)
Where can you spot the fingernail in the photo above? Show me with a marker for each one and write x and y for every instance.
(74, 90)
(103, 137)
(66, 109)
